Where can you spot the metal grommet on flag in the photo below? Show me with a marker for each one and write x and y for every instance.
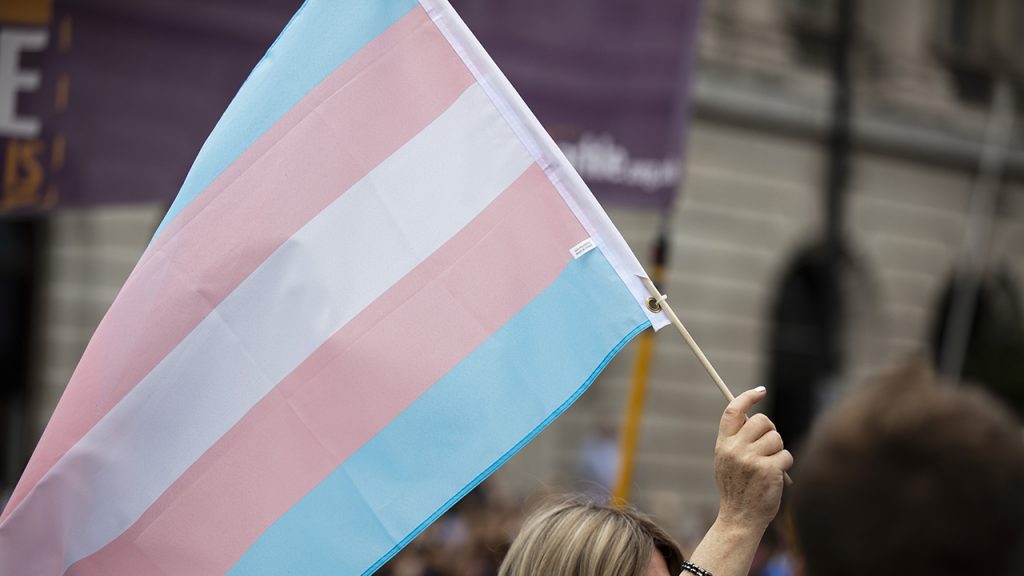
(654, 304)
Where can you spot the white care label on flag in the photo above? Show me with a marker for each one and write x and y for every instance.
(582, 248)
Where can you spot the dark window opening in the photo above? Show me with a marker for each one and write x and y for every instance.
(813, 26)
(994, 358)
(799, 368)
(18, 241)
(968, 45)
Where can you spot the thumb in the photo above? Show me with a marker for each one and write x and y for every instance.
(735, 414)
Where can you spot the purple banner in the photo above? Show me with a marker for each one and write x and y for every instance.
(106, 101)
(609, 79)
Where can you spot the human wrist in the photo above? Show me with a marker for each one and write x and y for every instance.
(736, 530)
(741, 522)
(728, 547)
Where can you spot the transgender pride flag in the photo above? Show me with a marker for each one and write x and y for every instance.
(363, 301)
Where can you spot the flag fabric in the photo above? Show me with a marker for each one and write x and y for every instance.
(380, 280)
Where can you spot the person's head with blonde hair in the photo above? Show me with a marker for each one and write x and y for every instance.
(586, 539)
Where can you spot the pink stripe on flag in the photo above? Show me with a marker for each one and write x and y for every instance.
(389, 91)
(351, 387)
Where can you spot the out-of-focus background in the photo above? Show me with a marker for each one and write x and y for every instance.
(838, 185)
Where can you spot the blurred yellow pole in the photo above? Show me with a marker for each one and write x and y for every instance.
(634, 413)
(630, 435)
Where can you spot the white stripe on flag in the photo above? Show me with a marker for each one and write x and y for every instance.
(330, 270)
(567, 181)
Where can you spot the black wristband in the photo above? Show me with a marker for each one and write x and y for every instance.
(694, 569)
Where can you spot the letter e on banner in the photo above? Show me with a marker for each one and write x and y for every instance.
(14, 79)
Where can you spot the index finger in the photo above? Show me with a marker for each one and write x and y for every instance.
(736, 412)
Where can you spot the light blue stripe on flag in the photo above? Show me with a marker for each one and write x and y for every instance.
(321, 36)
(461, 430)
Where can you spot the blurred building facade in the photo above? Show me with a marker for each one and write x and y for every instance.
(750, 219)
(744, 234)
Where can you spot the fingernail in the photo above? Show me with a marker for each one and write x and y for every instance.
(760, 389)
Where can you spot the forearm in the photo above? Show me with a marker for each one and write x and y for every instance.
(727, 549)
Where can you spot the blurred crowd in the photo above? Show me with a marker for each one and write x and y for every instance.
(470, 540)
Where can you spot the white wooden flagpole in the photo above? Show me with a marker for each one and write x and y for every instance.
(659, 299)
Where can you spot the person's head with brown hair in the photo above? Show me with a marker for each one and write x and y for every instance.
(911, 476)
(585, 539)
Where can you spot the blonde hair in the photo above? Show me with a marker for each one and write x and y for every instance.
(584, 539)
